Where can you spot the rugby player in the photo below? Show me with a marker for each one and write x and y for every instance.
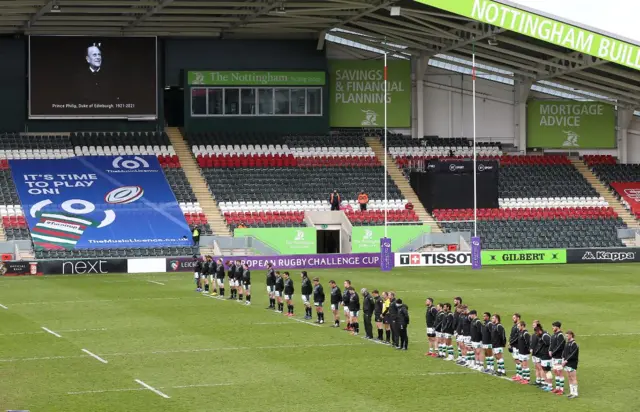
(513, 345)
(524, 349)
(570, 363)
(377, 313)
(279, 292)
(430, 317)
(542, 352)
(556, 349)
(271, 285)
(336, 300)
(220, 277)
(447, 332)
(288, 293)
(231, 274)
(238, 277)
(318, 299)
(354, 310)
(476, 340)
(346, 297)
(306, 290)
(487, 346)
(498, 342)
(438, 328)
(246, 283)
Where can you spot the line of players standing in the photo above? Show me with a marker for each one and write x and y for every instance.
(480, 345)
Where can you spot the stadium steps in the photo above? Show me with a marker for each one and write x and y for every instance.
(3, 235)
(604, 191)
(197, 182)
(403, 185)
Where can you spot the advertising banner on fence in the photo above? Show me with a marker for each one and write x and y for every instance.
(357, 93)
(386, 254)
(99, 202)
(433, 259)
(338, 261)
(594, 255)
(566, 124)
(630, 191)
(366, 239)
(476, 252)
(83, 266)
(543, 28)
(287, 241)
(20, 268)
(255, 78)
(524, 257)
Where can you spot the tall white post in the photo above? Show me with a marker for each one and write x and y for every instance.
(386, 199)
(475, 166)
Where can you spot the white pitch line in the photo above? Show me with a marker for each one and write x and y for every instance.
(204, 385)
(95, 301)
(152, 389)
(3, 307)
(610, 334)
(157, 283)
(93, 355)
(61, 331)
(51, 332)
(304, 321)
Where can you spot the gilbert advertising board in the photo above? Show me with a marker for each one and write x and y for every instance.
(433, 259)
(524, 257)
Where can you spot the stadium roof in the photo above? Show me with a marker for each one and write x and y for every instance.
(420, 30)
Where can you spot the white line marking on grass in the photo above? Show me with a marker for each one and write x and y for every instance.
(152, 389)
(40, 332)
(377, 342)
(157, 283)
(611, 334)
(41, 358)
(51, 332)
(93, 355)
(304, 321)
(204, 385)
(95, 301)
(3, 307)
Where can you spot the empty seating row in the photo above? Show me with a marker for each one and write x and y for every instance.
(592, 160)
(305, 205)
(277, 150)
(117, 253)
(429, 151)
(36, 154)
(292, 183)
(399, 140)
(511, 214)
(541, 202)
(377, 216)
(609, 173)
(11, 210)
(119, 138)
(543, 233)
(123, 150)
(17, 141)
(542, 180)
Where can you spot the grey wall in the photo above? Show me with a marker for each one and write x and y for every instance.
(13, 83)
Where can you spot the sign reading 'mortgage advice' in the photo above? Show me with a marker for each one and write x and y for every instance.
(570, 125)
(524, 257)
(357, 93)
(255, 78)
(353, 260)
(544, 28)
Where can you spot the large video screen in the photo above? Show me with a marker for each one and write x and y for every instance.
(89, 77)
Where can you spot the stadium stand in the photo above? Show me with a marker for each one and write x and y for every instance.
(609, 171)
(270, 180)
(545, 201)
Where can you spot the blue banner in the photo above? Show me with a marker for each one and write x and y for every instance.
(99, 202)
(476, 253)
(386, 255)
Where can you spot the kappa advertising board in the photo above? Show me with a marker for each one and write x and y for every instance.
(99, 202)
(20, 268)
(618, 255)
(433, 259)
(84, 266)
(524, 257)
(354, 260)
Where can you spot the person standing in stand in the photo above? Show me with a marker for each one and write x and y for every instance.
(335, 200)
(363, 199)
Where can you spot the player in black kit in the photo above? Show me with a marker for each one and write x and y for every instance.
(197, 268)
(498, 342)
(430, 317)
(231, 274)
(279, 292)
(318, 299)
(438, 328)
(524, 349)
(246, 282)
(220, 277)
(556, 348)
(447, 331)
(487, 346)
(238, 276)
(354, 310)
(570, 357)
(403, 322)
(271, 285)
(336, 300)
(345, 304)
(476, 339)
(306, 290)
(541, 351)
(377, 313)
(204, 273)
(288, 293)
(368, 306)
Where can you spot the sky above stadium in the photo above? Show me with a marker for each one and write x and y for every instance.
(619, 17)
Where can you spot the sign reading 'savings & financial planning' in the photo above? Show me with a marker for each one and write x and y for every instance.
(567, 124)
(357, 93)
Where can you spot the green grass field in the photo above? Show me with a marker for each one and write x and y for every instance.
(211, 355)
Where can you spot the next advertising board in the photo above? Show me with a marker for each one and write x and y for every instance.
(286, 241)
(565, 124)
(543, 28)
(357, 93)
(524, 257)
(366, 239)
